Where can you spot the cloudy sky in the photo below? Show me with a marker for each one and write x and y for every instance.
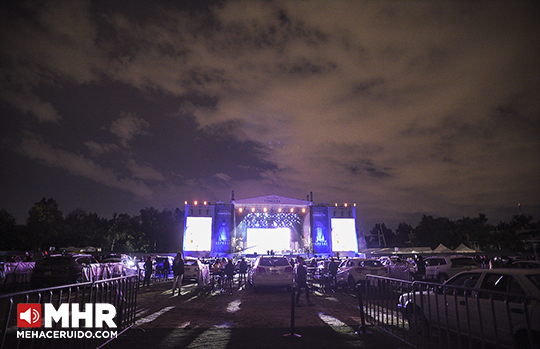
(406, 108)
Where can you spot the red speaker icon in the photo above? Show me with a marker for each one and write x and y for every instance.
(29, 315)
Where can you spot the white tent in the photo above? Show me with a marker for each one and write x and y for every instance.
(414, 250)
(442, 249)
(463, 249)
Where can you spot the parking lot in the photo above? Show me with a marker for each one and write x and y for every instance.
(205, 319)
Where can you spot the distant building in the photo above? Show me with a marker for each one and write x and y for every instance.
(269, 223)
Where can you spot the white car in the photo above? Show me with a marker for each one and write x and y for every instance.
(525, 264)
(480, 302)
(353, 271)
(398, 268)
(128, 264)
(444, 267)
(271, 271)
(197, 271)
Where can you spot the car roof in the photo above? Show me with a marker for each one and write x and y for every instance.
(509, 271)
(70, 255)
(526, 261)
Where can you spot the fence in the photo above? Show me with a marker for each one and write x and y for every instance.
(432, 315)
(121, 292)
(15, 276)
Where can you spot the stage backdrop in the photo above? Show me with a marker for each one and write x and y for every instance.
(321, 233)
(222, 229)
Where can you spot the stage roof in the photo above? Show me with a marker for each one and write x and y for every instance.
(272, 200)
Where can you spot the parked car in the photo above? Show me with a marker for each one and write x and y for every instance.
(496, 303)
(196, 271)
(353, 271)
(441, 268)
(399, 268)
(271, 271)
(129, 265)
(525, 264)
(158, 266)
(63, 270)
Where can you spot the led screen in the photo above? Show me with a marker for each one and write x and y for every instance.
(261, 240)
(198, 234)
(344, 235)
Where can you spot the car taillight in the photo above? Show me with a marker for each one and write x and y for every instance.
(288, 270)
(260, 270)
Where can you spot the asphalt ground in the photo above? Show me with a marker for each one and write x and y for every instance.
(198, 319)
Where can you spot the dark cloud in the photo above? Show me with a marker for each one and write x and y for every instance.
(407, 108)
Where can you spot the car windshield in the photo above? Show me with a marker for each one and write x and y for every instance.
(273, 262)
(372, 264)
(465, 280)
(463, 261)
(56, 261)
(535, 279)
(526, 265)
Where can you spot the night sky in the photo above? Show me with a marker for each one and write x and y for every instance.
(406, 108)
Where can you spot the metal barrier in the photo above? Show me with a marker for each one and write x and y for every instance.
(120, 292)
(432, 315)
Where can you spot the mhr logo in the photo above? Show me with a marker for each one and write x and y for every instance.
(94, 315)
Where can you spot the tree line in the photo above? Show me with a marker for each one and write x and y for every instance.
(518, 235)
(154, 230)
(149, 231)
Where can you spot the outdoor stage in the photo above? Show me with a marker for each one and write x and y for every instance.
(269, 223)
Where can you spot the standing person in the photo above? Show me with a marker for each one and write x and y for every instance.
(166, 268)
(332, 270)
(242, 269)
(147, 270)
(421, 268)
(229, 274)
(217, 274)
(301, 280)
(178, 273)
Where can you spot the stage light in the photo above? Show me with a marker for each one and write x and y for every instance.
(195, 203)
(205, 203)
(354, 204)
(304, 210)
(279, 210)
(185, 202)
(253, 209)
(265, 209)
(240, 210)
(345, 204)
(291, 210)
(336, 204)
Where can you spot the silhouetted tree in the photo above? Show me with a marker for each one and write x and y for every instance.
(404, 234)
(44, 225)
(125, 234)
(434, 231)
(9, 230)
(380, 236)
(156, 225)
(86, 229)
(473, 232)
